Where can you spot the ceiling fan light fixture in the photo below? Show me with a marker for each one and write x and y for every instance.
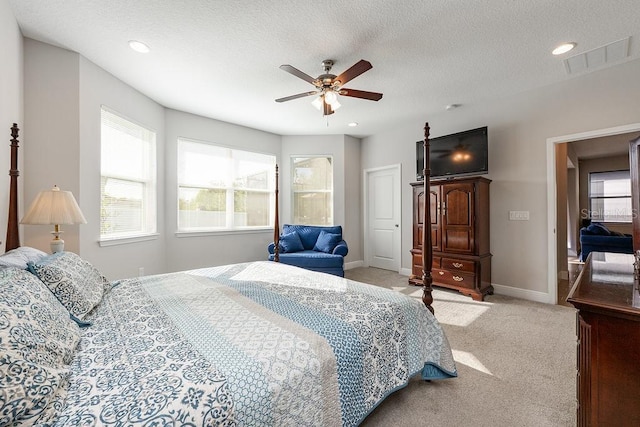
(330, 98)
(317, 103)
(335, 105)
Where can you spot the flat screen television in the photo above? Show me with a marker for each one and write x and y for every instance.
(459, 154)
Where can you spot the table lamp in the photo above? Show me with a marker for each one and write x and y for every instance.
(54, 207)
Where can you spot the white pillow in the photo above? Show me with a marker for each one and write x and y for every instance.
(19, 257)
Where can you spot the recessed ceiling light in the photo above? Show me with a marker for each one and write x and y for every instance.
(139, 46)
(563, 48)
(452, 106)
(352, 124)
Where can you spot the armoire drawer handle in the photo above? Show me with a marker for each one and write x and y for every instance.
(441, 273)
(458, 278)
(457, 264)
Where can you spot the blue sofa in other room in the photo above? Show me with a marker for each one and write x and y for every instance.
(596, 237)
(313, 247)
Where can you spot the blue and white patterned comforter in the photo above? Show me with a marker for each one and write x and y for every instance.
(248, 344)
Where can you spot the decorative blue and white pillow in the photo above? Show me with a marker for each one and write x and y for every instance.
(37, 342)
(76, 283)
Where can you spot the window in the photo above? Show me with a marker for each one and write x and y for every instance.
(312, 184)
(610, 196)
(220, 188)
(128, 184)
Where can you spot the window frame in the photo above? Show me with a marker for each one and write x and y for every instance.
(229, 189)
(330, 191)
(603, 218)
(149, 228)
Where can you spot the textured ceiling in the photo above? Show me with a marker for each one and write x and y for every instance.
(220, 59)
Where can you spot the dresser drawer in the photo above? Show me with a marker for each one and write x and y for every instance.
(416, 268)
(455, 278)
(458, 265)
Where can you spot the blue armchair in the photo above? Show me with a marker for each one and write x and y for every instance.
(313, 247)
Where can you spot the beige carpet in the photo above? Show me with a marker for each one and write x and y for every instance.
(515, 360)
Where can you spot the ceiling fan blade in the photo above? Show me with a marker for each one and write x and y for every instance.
(353, 72)
(300, 95)
(293, 70)
(373, 96)
(327, 108)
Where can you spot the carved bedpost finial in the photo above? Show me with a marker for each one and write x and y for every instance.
(427, 255)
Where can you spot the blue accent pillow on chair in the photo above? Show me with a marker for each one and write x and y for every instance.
(291, 242)
(598, 229)
(327, 242)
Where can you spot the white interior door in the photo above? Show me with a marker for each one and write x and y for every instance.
(382, 240)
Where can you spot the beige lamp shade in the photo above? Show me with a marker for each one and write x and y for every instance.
(54, 207)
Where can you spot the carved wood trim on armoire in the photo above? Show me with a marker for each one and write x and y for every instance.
(459, 228)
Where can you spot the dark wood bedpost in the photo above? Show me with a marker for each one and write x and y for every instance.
(13, 236)
(276, 226)
(427, 251)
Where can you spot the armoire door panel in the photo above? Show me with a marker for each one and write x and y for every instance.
(458, 240)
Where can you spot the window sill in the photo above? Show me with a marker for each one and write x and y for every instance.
(181, 234)
(126, 240)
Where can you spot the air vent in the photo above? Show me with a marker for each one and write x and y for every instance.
(600, 57)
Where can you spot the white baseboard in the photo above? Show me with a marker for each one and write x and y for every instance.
(353, 264)
(405, 272)
(527, 294)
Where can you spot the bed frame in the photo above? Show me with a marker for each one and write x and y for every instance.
(13, 236)
(427, 252)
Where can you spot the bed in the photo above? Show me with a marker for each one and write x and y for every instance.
(260, 343)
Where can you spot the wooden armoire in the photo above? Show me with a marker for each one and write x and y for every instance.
(459, 235)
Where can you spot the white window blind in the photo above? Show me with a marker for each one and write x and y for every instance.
(312, 186)
(128, 184)
(221, 188)
(610, 196)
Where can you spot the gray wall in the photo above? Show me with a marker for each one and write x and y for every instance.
(11, 107)
(519, 127)
(208, 249)
(345, 152)
(64, 93)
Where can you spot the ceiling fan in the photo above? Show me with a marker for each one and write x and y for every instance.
(329, 86)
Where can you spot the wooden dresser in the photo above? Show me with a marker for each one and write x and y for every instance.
(608, 328)
(459, 235)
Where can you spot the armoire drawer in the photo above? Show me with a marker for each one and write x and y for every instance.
(453, 264)
(455, 278)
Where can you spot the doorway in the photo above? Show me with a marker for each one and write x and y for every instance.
(382, 213)
(557, 203)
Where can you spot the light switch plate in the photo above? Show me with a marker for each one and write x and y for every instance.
(518, 215)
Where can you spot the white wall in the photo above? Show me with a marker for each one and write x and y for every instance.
(203, 250)
(11, 107)
(519, 127)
